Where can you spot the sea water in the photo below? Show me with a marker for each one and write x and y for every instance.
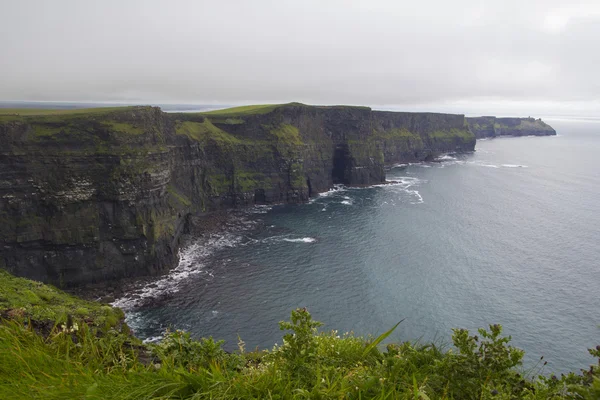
(509, 234)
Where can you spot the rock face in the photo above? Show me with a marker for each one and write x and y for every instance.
(487, 127)
(101, 194)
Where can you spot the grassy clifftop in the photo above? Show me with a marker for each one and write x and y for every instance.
(80, 358)
(489, 127)
(23, 299)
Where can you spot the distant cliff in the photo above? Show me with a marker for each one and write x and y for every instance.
(100, 194)
(486, 127)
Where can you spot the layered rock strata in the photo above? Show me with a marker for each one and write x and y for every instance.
(101, 194)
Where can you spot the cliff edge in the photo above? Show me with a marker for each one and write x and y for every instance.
(100, 194)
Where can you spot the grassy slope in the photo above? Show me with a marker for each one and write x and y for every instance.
(24, 299)
(243, 110)
(46, 111)
(86, 361)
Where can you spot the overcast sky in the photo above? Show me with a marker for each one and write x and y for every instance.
(465, 56)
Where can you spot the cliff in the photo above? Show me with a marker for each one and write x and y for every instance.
(99, 194)
(485, 127)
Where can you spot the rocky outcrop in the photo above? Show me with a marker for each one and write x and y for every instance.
(101, 194)
(488, 127)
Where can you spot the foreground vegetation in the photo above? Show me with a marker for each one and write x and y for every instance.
(78, 359)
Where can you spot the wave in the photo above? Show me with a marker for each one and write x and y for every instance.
(335, 190)
(484, 164)
(514, 166)
(192, 262)
(446, 157)
(405, 184)
(301, 240)
(418, 196)
(402, 165)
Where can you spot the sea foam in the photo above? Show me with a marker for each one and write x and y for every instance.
(301, 240)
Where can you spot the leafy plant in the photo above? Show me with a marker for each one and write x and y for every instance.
(178, 349)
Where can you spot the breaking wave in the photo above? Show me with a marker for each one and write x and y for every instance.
(192, 262)
(301, 240)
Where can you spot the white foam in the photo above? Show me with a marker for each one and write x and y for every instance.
(191, 263)
(346, 202)
(261, 209)
(406, 184)
(417, 195)
(446, 157)
(153, 339)
(301, 240)
(514, 166)
(335, 190)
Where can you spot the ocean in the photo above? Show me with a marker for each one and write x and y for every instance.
(509, 234)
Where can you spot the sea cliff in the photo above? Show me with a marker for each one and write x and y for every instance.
(100, 194)
(489, 127)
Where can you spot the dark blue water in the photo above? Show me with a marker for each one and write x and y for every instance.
(508, 235)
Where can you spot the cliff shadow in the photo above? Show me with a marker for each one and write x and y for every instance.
(342, 165)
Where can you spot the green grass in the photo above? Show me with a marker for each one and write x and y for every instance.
(45, 111)
(24, 299)
(77, 362)
(243, 110)
(84, 358)
(259, 109)
(77, 124)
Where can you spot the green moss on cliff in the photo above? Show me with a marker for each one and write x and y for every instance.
(181, 198)
(287, 133)
(464, 134)
(219, 184)
(394, 134)
(124, 127)
(249, 181)
(204, 131)
(297, 176)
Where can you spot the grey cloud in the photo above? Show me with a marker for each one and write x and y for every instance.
(356, 52)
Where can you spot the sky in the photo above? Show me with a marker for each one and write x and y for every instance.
(520, 57)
